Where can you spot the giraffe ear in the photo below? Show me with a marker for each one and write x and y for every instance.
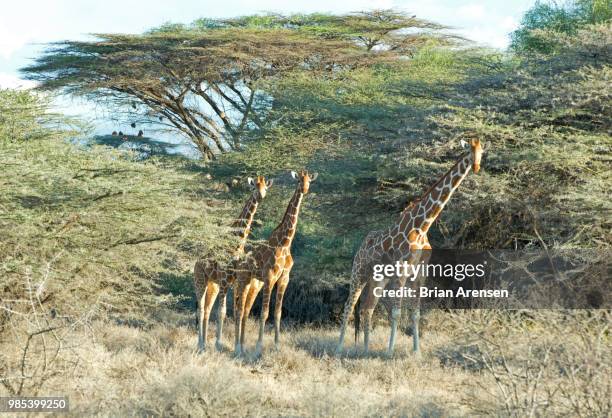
(269, 183)
(314, 177)
(251, 181)
(294, 174)
(463, 143)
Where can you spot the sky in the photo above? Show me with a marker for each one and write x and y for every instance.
(26, 25)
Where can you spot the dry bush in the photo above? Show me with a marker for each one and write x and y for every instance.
(38, 346)
(535, 363)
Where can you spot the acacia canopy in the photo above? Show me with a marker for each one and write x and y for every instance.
(203, 79)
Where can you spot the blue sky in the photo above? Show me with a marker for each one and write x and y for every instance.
(25, 24)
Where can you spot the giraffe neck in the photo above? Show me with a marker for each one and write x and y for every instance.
(432, 202)
(285, 231)
(242, 225)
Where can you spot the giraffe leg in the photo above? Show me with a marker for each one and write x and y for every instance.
(234, 302)
(367, 310)
(221, 316)
(395, 308)
(416, 315)
(367, 324)
(212, 289)
(200, 319)
(354, 293)
(395, 315)
(396, 312)
(278, 308)
(265, 309)
(252, 296)
(199, 284)
(254, 289)
(240, 296)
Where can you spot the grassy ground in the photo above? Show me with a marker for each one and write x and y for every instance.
(118, 370)
(128, 371)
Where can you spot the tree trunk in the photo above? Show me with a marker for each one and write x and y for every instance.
(202, 146)
(207, 154)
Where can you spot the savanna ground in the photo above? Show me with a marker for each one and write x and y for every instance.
(97, 245)
(472, 363)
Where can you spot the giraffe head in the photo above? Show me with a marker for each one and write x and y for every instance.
(260, 186)
(304, 179)
(476, 150)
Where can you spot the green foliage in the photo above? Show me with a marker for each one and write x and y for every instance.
(25, 117)
(547, 121)
(94, 229)
(380, 136)
(546, 17)
(601, 10)
(368, 29)
(168, 28)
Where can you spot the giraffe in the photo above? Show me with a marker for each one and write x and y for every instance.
(268, 264)
(405, 240)
(212, 278)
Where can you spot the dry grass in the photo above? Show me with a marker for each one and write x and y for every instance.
(126, 371)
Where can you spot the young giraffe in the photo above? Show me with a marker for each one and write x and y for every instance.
(406, 240)
(212, 278)
(267, 265)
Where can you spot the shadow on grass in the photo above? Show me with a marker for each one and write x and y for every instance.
(325, 346)
(180, 287)
(145, 146)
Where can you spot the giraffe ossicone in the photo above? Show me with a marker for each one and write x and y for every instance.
(405, 240)
(213, 278)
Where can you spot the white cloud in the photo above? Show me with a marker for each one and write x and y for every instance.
(10, 81)
(22, 22)
(472, 11)
(483, 22)
(494, 31)
(509, 23)
(10, 42)
(486, 35)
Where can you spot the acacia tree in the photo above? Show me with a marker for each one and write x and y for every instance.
(202, 79)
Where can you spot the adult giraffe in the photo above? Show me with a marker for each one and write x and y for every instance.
(405, 240)
(212, 278)
(268, 264)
